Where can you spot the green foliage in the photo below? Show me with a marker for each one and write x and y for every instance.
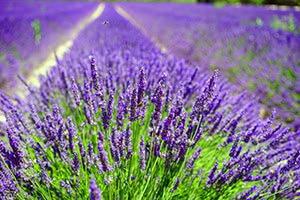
(259, 21)
(2, 57)
(285, 24)
(36, 25)
(219, 4)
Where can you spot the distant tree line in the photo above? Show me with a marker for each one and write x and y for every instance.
(258, 2)
(275, 2)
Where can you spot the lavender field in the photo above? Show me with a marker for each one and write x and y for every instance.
(151, 101)
(30, 30)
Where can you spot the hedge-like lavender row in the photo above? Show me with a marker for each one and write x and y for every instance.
(246, 43)
(117, 119)
(30, 31)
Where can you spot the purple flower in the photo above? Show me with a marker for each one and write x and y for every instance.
(75, 91)
(121, 140)
(133, 105)
(45, 178)
(105, 118)
(110, 104)
(95, 193)
(17, 154)
(35, 119)
(82, 152)
(190, 163)
(120, 114)
(101, 136)
(141, 88)
(168, 123)
(87, 94)
(175, 185)
(72, 133)
(4, 152)
(211, 175)
(90, 155)
(87, 114)
(204, 99)
(142, 155)
(158, 101)
(127, 141)
(103, 158)
(76, 161)
(247, 193)
(113, 141)
(56, 114)
(167, 101)
(95, 76)
(235, 149)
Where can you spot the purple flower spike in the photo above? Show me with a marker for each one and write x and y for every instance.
(247, 193)
(103, 158)
(167, 101)
(190, 163)
(110, 104)
(76, 163)
(142, 154)
(158, 101)
(120, 114)
(17, 155)
(105, 118)
(72, 133)
(167, 124)
(133, 105)
(175, 185)
(141, 88)
(204, 99)
(113, 140)
(87, 114)
(211, 175)
(127, 144)
(87, 94)
(95, 193)
(75, 91)
(82, 152)
(95, 76)
(56, 114)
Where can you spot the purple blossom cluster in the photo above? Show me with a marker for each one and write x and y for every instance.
(18, 20)
(240, 41)
(118, 119)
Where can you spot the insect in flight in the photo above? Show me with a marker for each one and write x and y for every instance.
(140, 104)
(105, 22)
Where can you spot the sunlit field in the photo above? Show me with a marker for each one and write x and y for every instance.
(149, 101)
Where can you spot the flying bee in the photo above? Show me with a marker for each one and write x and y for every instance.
(105, 22)
(140, 104)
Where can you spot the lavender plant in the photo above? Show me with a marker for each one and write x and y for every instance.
(64, 152)
(245, 43)
(157, 129)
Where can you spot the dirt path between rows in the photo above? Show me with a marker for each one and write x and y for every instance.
(63, 48)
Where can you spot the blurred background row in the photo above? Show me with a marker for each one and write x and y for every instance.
(216, 2)
(30, 31)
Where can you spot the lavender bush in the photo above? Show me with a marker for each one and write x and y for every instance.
(118, 119)
(255, 47)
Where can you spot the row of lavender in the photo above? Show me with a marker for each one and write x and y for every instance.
(243, 42)
(118, 119)
(30, 31)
